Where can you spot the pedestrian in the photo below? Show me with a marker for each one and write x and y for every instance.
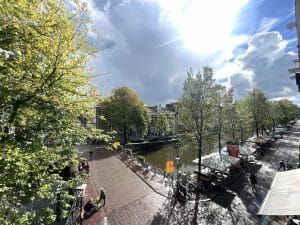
(102, 196)
(83, 164)
(91, 154)
(253, 181)
(87, 167)
(80, 168)
(281, 165)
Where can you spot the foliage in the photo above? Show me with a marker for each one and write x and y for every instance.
(285, 111)
(196, 109)
(124, 109)
(44, 89)
(162, 124)
(257, 104)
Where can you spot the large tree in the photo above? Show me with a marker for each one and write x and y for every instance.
(197, 107)
(124, 109)
(44, 89)
(257, 104)
(287, 111)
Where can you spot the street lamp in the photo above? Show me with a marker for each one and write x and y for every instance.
(79, 194)
(177, 159)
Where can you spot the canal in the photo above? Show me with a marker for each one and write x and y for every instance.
(158, 156)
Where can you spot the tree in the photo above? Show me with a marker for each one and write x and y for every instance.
(162, 124)
(230, 115)
(245, 127)
(44, 89)
(257, 104)
(197, 108)
(124, 109)
(287, 111)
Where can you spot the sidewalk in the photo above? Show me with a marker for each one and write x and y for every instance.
(129, 199)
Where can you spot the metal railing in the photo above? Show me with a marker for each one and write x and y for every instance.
(74, 212)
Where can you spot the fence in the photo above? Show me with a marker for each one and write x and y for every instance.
(74, 213)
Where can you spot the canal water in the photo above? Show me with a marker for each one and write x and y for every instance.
(158, 156)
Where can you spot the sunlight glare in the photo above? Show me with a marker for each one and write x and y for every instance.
(204, 26)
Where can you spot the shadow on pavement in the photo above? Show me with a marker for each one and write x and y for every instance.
(224, 198)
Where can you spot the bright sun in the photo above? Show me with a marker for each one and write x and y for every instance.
(204, 26)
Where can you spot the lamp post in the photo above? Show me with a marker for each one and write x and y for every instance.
(79, 196)
(177, 159)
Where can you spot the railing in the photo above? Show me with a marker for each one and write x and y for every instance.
(74, 212)
(131, 159)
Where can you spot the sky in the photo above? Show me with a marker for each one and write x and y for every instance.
(148, 45)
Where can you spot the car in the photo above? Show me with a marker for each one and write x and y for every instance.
(281, 129)
(277, 135)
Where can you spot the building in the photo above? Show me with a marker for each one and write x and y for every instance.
(172, 116)
(152, 132)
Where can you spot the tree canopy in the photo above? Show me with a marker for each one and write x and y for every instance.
(45, 87)
(124, 109)
(162, 124)
(196, 109)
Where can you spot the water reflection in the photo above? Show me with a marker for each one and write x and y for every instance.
(160, 155)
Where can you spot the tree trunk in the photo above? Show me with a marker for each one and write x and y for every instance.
(125, 135)
(200, 144)
(256, 129)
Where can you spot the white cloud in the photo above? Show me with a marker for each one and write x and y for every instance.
(263, 65)
(151, 54)
(267, 24)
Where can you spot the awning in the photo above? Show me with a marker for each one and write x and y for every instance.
(247, 149)
(260, 139)
(217, 161)
(284, 195)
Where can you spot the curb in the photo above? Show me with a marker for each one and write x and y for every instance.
(149, 185)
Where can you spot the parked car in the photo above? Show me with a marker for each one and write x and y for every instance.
(281, 129)
(277, 135)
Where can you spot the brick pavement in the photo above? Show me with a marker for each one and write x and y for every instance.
(132, 202)
(129, 199)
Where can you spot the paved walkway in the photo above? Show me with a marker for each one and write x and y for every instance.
(132, 202)
(129, 200)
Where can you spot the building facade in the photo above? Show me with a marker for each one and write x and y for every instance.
(152, 131)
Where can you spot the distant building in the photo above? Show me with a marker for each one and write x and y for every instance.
(169, 111)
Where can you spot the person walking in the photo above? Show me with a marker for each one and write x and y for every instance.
(281, 165)
(253, 181)
(87, 167)
(80, 168)
(102, 196)
(91, 154)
